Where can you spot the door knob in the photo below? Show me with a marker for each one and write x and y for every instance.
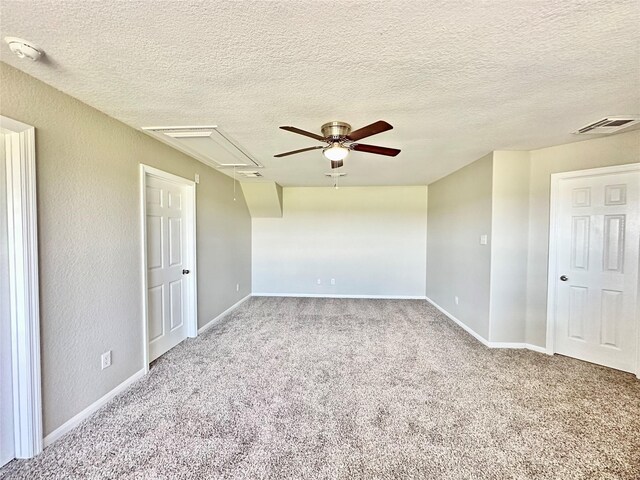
(564, 278)
(185, 272)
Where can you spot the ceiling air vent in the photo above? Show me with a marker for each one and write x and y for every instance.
(608, 125)
(249, 173)
(208, 144)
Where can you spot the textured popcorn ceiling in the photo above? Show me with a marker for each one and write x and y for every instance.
(457, 79)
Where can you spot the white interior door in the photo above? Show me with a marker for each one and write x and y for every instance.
(7, 444)
(169, 271)
(597, 269)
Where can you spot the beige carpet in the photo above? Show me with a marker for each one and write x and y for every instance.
(354, 389)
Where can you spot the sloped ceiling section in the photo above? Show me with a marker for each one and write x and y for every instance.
(264, 199)
(456, 78)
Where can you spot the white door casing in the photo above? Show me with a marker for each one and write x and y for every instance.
(593, 266)
(7, 446)
(169, 253)
(22, 254)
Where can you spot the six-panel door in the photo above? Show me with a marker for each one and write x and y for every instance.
(597, 282)
(166, 282)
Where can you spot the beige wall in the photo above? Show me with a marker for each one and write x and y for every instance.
(599, 152)
(371, 240)
(510, 191)
(89, 240)
(510, 231)
(264, 199)
(459, 211)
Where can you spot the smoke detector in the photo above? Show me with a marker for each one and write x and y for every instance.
(608, 125)
(24, 48)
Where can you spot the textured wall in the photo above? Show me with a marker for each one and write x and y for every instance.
(89, 240)
(511, 194)
(372, 240)
(600, 152)
(509, 243)
(264, 199)
(459, 211)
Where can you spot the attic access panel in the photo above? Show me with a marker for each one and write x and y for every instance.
(207, 144)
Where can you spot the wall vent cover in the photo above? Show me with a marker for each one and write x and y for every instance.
(208, 144)
(609, 125)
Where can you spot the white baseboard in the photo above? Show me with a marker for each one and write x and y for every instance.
(536, 348)
(215, 320)
(526, 346)
(466, 328)
(86, 413)
(483, 340)
(329, 295)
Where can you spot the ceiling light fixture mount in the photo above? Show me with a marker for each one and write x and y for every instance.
(335, 132)
(24, 48)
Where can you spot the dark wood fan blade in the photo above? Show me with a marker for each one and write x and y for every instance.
(362, 147)
(373, 129)
(303, 132)
(336, 163)
(299, 151)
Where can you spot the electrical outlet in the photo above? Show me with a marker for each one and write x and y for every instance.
(457, 300)
(106, 359)
(319, 282)
(333, 281)
(237, 287)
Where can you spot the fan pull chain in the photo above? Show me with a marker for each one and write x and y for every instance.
(234, 183)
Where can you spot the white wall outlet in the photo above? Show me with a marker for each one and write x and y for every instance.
(197, 179)
(319, 282)
(333, 281)
(106, 359)
(457, 300)
(237, 287)
(483, 239)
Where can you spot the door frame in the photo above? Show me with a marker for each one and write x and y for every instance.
(552, 270)
(22, 219)
(192, 288)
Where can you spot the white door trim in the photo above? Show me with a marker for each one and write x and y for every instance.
(192, 288)
(23, 286)
(553, 247)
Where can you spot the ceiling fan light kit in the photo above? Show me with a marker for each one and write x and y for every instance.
(340, 140)
(335, 152)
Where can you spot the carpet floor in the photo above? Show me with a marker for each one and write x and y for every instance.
(310, 388)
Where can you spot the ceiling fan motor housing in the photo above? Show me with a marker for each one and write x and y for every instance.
(336, 130)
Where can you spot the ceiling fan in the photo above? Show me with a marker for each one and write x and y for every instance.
(340, 140)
